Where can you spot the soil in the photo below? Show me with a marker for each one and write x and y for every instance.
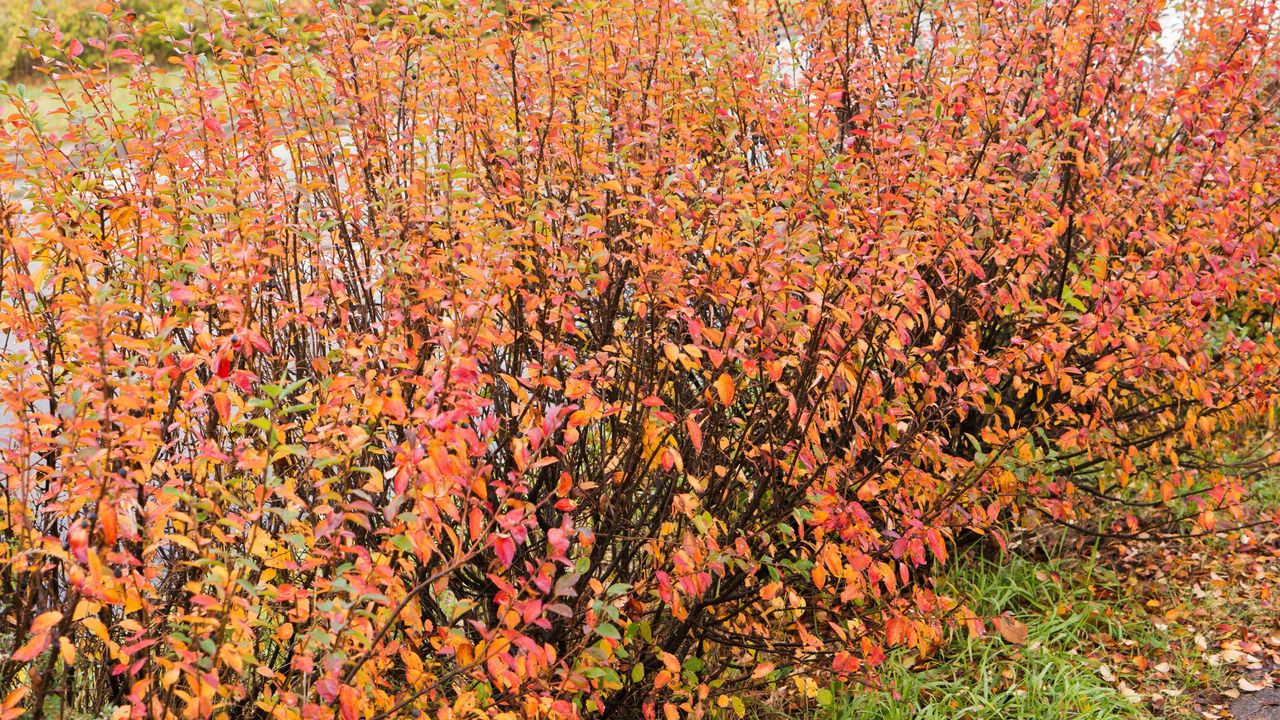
(1262, 705)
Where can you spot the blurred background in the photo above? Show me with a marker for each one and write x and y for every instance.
(154, 23)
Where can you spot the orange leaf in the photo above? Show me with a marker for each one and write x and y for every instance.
(695, 432)
(32, 649)
(96, 626)
(109, 523)
(222, 404)
(347, 703)
(44, 621)
(724, 388)
(819, 576)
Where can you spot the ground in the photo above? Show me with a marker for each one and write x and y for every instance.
(1171, 629)
(1115, 629)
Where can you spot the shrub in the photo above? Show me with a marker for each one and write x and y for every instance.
(12, 13)
(152, 23)
(613, 359)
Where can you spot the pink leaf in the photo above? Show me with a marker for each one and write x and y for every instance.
(126, 55)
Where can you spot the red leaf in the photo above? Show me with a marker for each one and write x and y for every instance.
(257, 342)
(181, 293)
(695, 432)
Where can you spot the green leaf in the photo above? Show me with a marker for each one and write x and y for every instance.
(825, 697)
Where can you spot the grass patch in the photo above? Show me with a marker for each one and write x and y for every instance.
(1064, 606)
(1112, 633)
(1123, 630)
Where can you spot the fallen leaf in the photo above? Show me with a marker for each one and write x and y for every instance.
(1249, 687)
(1013, 631)
(1130, 694)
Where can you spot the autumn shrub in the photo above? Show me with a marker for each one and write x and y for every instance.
(608, 359)
(22, 44)
(30, 31)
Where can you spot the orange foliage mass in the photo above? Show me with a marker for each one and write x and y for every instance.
(608, 359)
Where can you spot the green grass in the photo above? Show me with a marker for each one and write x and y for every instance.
(1070, 609)
(1050, 677)
(1086, 625)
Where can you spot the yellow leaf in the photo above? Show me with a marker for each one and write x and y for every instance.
(261, 546)
(67, 650)
(95, 626)
(84, 609)
(231, 658)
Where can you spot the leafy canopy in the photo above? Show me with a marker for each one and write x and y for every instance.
(609, 359)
